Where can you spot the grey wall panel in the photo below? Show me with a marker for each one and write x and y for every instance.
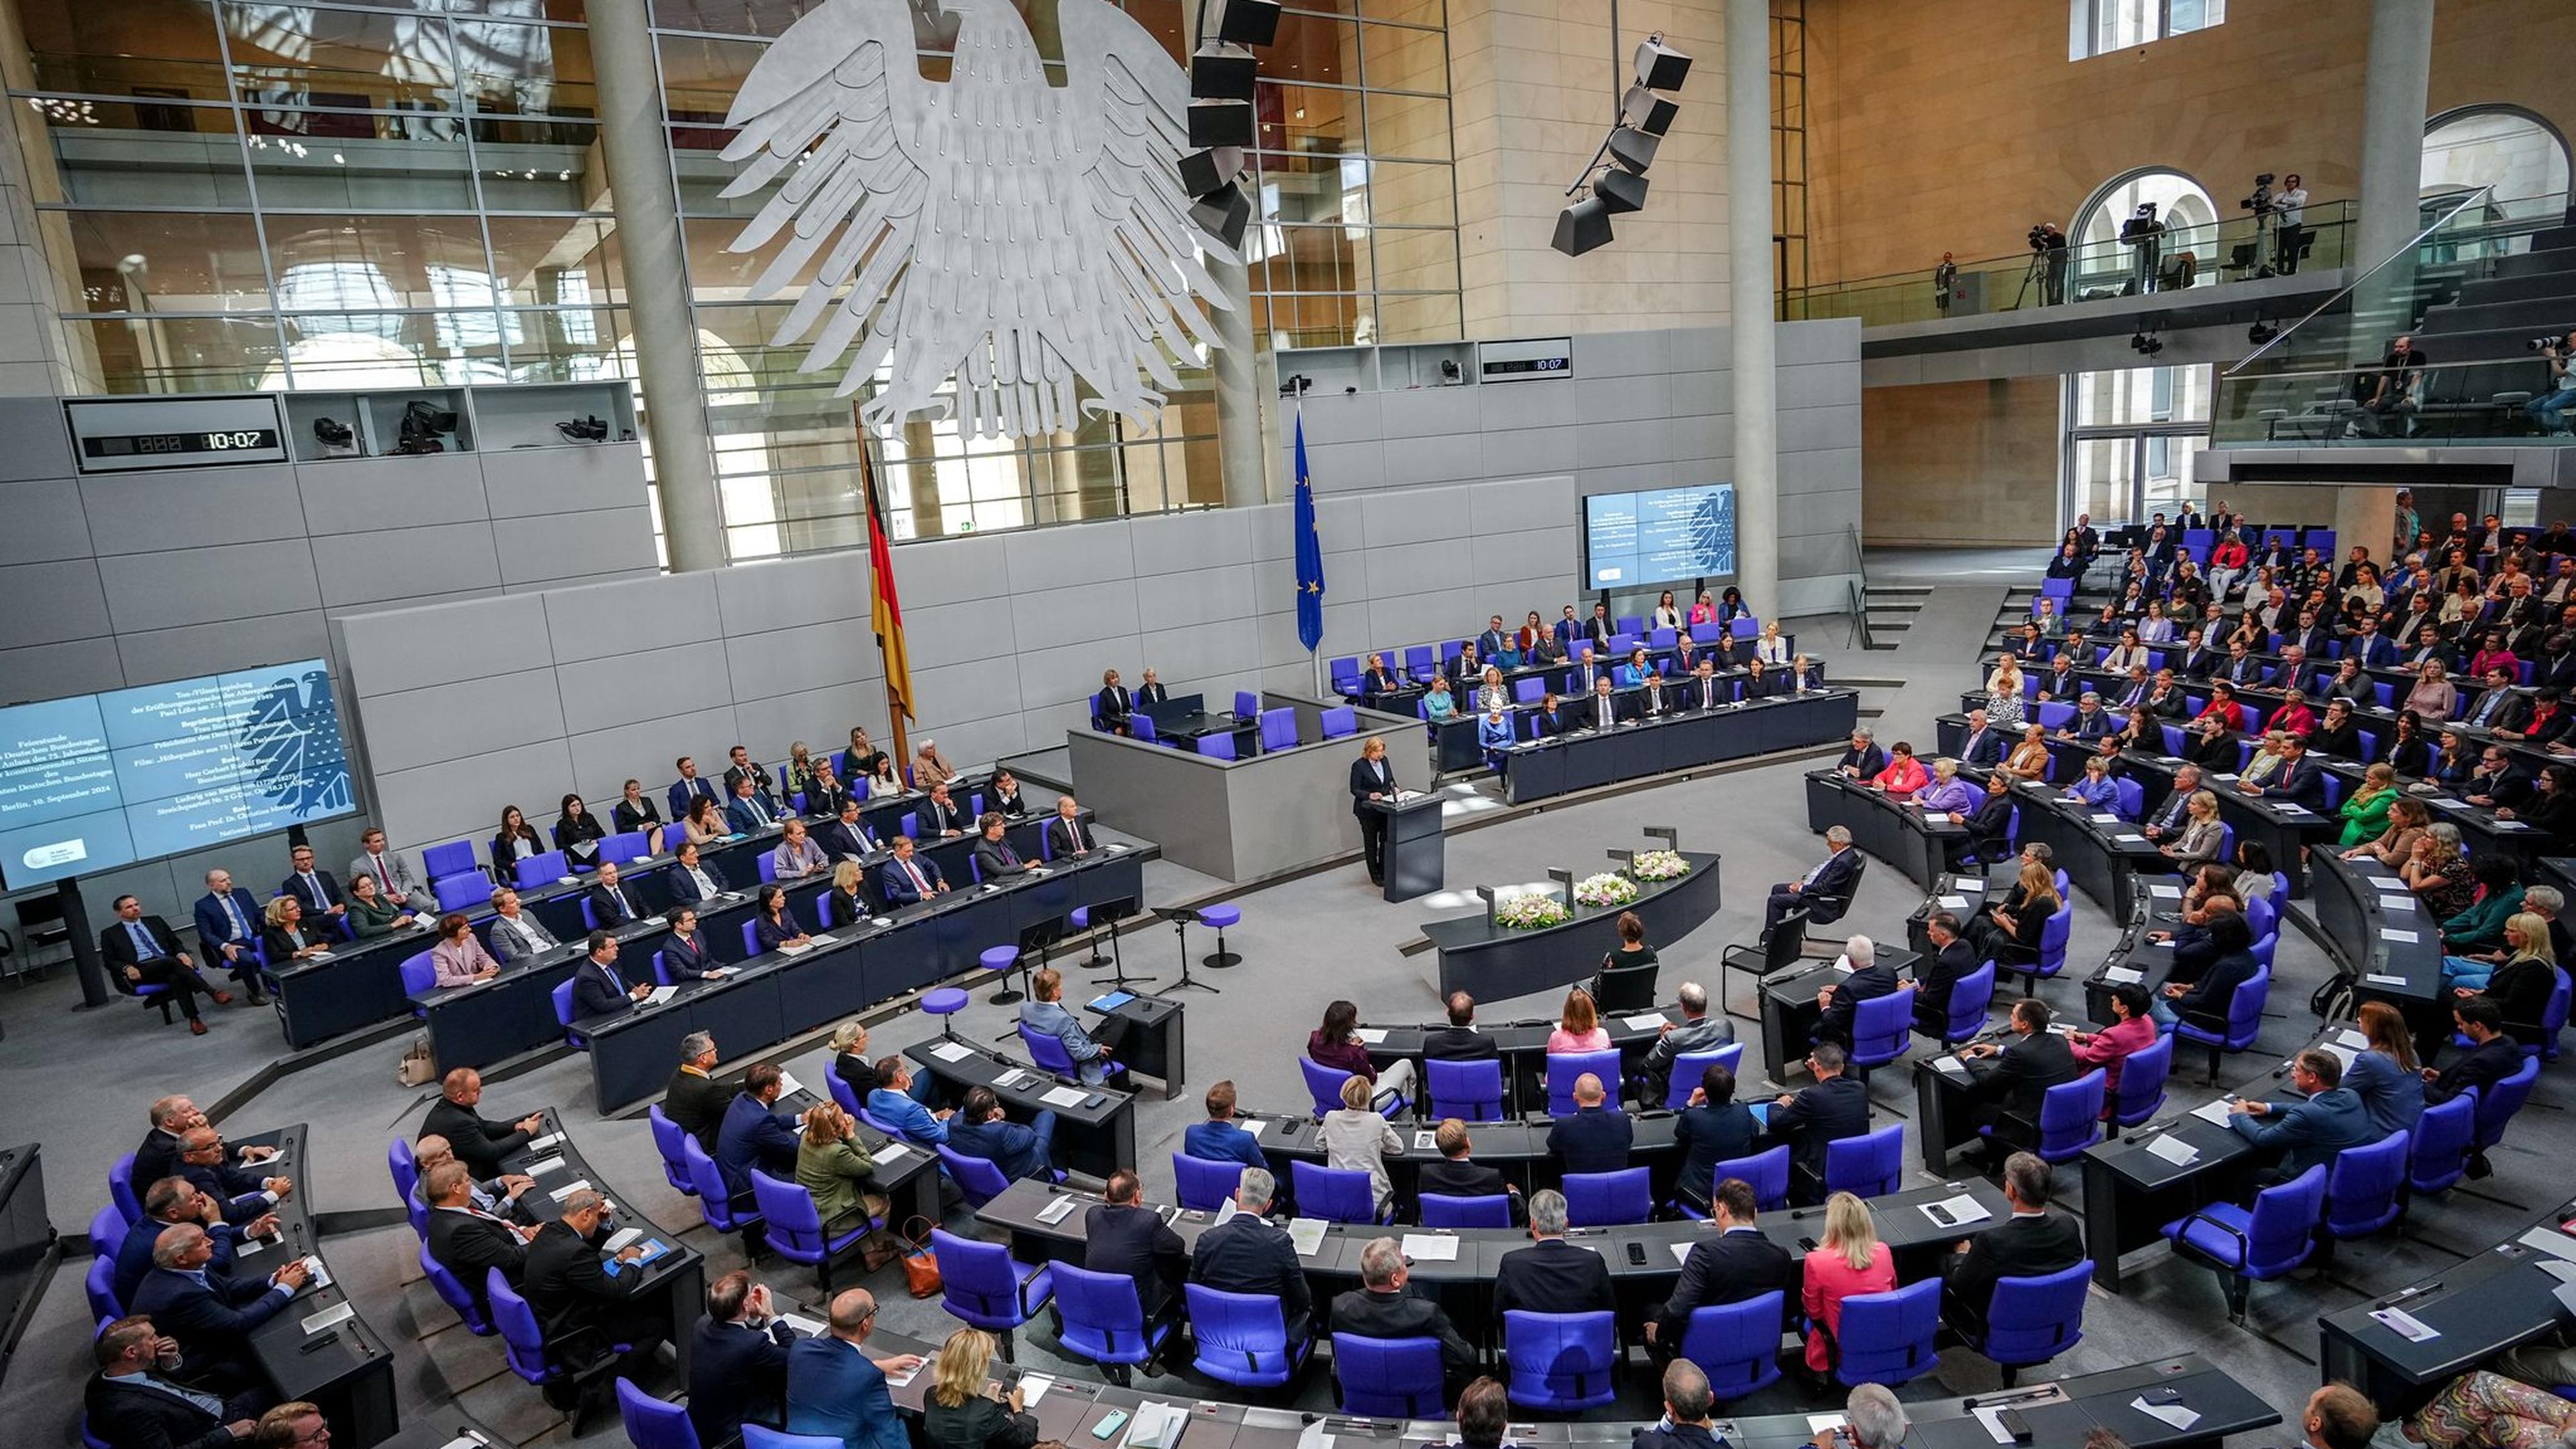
(1621, 399)
(1202, 539)
(984, 739)
(155, 655)
(1806, 429)
(946, 693)
(1056, 559)
(45, 521)
(646, 749)
(782, 661)
(445, 644)
(1535, 554)
(403, 563)
(1054, 676)
(975, 628)
(1506, 406)
(1413, 516)
(428, 727)
(1415, 568)
(1828, 341)
(1197, 655)
(820, 717)
(1820, 468)
(50, 603)
(604, 693)
(40, 443)
(50, 671)
(1197, 594)
(530, 482)
(190, 585)
(434, 802)
(1527, 450)
(1528, 503)
(927, 575)
(1074, 617)
(553, 546)
(640, 616)
(1646, 441)
(1339, 467)
(360, 495)
(144, 511)
(1622, 354)
(531, 586)
(1433, 458)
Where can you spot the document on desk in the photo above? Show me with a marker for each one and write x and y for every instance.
(2128, 837)
(805, 1327)
(1953, 1212)
(1015, 1078)
(2395, 905)
(1952, 1065)
(1426, 1141)
(331, 1317)
(2174, 1150)
(540, 1169)
(660, 994)
(1681, 1251)
(2174, 1414)
(2549, 1240)
(2384, 882)
(1156, 1426)
(1064, 1097)
(2213, 1113)
(619, 1239)
(2353, 1039)
(2383, 978)
(1843, 965)
(2123, 975)
(2103, 819)
(2405, 1325)
(542, 1143)
(1652, 1021)
(1431, 1247)
(1306, 1235)
(2403, 938)
(1954, 903)
(1819, 1423)
(820, 938)
(1033, 1387)
(569, 1188)
(2288, 807)
(2164, 892)
(952, 1051)
(891, 1152)
(1058, 1210)
(788, 1086)
(1371, 1035)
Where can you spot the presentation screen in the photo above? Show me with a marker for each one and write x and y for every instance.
(1665, 535)
(103, 780)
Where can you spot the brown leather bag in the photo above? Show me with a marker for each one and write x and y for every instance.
(920, 1265)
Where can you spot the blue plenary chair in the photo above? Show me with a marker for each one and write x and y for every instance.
(2143, 1075)
(2496, 1108)
(1468, 1091)
(404, 1169)
(561, 995)
(1440, 1210)
(1564, 1069)
(1244, 1339)
(1736, 1345)
(419, 974)
(760, 1436)
(983, 1286)
(1886, 1338)
(1278, 729)
(107, 1233)
(1397, 1378)
(2243, 1024)
(667, 1138)
(624, 846)
(2438, 1153)
(796, 1230)
(1218, 746)
(1689, 1067)
(1560, 1361)
(1205, 1183)
(1767, 1173)
(1340, 722)
(2249, 1245)
(1608, 1199)
(651, 1423)
(542, 869)
(462, 892)
(2362, 1188)
(2032, 1320)
(715, 1200)
(1337, 1195)
(1882, 1031)
(452, 858)
(1867, 1165)
(1324, 1085)
(2070, 1118)
(1104, 1321)
(451, 1291)
(1971, 997)
(120, 1189)
(575, 1362)
(100, 1286)
(1049, 1054)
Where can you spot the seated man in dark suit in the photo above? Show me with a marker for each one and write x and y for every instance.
(695, 1101)
(754, 1136)
(599, 988)
(1989, 827)
(1598, 1137)
(142, 952)
(737, 1360)
(1454, 1175)
(2299, 779)
(1839, 1000)
(1459, 1041)
(1551, 1275)
(228, 929)
(826, 795)
(1826, 890)
(749, 811)
(213, 1315)
(137, 1400)
(466, 1241)
(2024, 1068)
(1952, 961)
(1218, 1139)
(613, 901)
(505, 1197)
(2308, 1132)
(569, 1289)
(167, 1203)
(2032, 1243)
(1834, 1108)
(242, 1189)
(981, 1130)
(1984, 747)
(1734, 1264)
(1247, 1253)
(910, 876)
(2492, 1055)
(1123, 1236)
(846, 837)
(994, 858)
(316, 889)
(690, 786)
(479, 1142)
(1381, 1308)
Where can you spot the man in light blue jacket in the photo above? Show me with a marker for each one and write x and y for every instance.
(1044, 1014)
(2310, 1133)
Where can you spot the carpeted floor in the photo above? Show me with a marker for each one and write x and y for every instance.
(78, 1082)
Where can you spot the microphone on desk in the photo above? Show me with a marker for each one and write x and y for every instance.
(2149, 1130)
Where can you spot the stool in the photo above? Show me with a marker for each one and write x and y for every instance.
(945, 1003)
(1002, 959)
(1220, 917)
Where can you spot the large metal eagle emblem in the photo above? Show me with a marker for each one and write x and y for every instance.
(1021, 237)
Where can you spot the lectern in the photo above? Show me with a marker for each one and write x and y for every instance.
(1415, 864)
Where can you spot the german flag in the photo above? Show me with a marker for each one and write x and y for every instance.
(888, 613)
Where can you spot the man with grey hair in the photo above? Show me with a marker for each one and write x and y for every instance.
(1381, 1308)
(2090, 721)
(1839, 999)
(503, 1197)
(2167, 820)
(1688, 1401)
(1551, 1275)
(568, 1288)
(1696, 1032)
(1825, 891)
(1864, 758)
(1248, 1253)
(214, 1315)
(695, 1101)
(1874, 1418)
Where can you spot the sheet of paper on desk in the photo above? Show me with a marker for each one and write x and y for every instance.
(1312, 1436)
(1064, 1097)
(1371, 1035)
(788, 1086)
(2173, 1150)
(2128, 837)
(1426, 1141)
(321, 1276)
(2103, 819)
(1115, 847)
(891, 1152)
(1431, 1247)
(1843, 964)
(803, 1325)
(2213, 1113)
(1058, 1210)
(1819, 1423)
(618, 1240)
(2289, 807)
(2353, 1039)
(2551, 1241)
(1306, 1235)
(1015, 1077)
(1951, 1212)
(542, 1143)
(2405, 1325)
(2123, 975)
(331, 1317)
(821, 939)
(2174, 1414)
(952, 1051)
(1652, 1021)
(1156, 1426)
(467, 1441)
(2445, 802)
(898, 1380)
(540, 1169)
(2403, 938)
(2394, 905)
(1952, 1065)
(2164, 892)
(2382, 978)
(2340, 1052)
(569, 1188)
(1954, 903)
(660, 994)
(1033, 1387)
(2385, 882)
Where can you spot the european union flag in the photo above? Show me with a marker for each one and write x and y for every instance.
(1310, 554)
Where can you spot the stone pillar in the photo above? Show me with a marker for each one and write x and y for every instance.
(2393, 91)
(1749, 305)
(657, 299)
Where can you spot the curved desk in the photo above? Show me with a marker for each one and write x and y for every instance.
(345, 1367)
(1517, 1146)
(675, 1282)
(2283, 827)
(1891, 830)
(1521, 1046)
(1681, 740)
(2479, 1308)
(2101, 853)
(1493, 962)
(2376, 931)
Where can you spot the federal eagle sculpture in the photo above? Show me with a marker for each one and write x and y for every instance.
(1021, 237)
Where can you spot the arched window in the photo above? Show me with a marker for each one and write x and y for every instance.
(2102, 264)
(2512, 150)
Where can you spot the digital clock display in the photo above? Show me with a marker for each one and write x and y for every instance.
(148, 445)
(1528, 364)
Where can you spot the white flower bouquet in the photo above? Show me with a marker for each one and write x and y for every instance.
(1531, 911)
(1659, 865)
(1606, 889)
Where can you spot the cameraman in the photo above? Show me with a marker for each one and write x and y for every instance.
(2549, 409)
(2052, 249)
(2289, 211)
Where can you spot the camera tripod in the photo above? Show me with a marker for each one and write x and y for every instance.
(2036, 272)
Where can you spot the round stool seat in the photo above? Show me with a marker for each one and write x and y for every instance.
(1000, 958)
(944, 1000)
(1081, 918)
(1217, 918)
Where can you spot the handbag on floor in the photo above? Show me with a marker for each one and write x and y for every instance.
(920, 1265)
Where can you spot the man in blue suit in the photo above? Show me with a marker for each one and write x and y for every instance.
(228, 928)
(749, 811)
(837, 1390)
(1831, 880)
(599, 988)
(166, 1204)
(1218, 1139)
(754, 1135)
(892, 1103)
(908, 877)
(318, 889)
(212, 1314)
(1018, 1149)
(693, 881)
(688, 787)
(2306, 1133)
(2296, 780)
(2374, 649)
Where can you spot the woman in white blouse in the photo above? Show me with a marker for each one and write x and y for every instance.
(2128, 654)
(1668, 615)
(2003, 694)
(1771, 648)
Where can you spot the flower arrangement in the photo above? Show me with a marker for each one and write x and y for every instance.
(1531, 911)
(1659, 865)
(1606, 889)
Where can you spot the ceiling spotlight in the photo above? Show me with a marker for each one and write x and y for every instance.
(1582, 226)
(2146, 342)
(2261, 332)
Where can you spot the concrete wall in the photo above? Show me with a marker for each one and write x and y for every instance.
(1968, 463)
(1954, 127)
(1643, 410)
(579, 688)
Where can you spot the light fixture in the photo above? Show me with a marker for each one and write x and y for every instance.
(1224, 77)
(2145, 342)
(2261, 332)
(1614, 182)
(1582, 226)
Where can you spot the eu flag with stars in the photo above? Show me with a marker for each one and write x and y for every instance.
(1310, 554)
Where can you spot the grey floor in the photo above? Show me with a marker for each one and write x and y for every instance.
(1304, 941)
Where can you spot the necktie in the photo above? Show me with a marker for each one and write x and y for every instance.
(759, 811)
(241, 928)
(619, 895)
(382, 879)
(144, 949)
(314, 886)
(1008, 856)
(920, 882)
(611, 973)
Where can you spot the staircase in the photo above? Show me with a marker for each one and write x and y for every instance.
(1891, 609)
(2526, 295)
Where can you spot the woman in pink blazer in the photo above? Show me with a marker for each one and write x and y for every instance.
(1850, 1260)
(2131, 1029)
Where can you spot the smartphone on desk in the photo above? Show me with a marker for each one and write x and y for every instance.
(1110, 1424)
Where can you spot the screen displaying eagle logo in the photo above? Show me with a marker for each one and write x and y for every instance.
(1021, 237)
(291, 739)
